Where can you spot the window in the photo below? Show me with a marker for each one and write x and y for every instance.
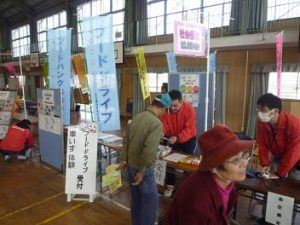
(283, 9)
(20, 41)
(103, 7)
(219, 12)
(162, 13)
(290, 85)
(55, 21)
(155, 81)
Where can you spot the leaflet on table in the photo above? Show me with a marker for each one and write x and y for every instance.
(175, 157)
(112, 179)
(109, 138)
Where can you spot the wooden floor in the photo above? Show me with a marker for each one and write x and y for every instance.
(33, 194)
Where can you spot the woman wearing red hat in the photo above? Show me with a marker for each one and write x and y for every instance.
(208, 195)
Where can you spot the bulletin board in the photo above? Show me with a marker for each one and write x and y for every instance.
(50, 114)
(7, 101)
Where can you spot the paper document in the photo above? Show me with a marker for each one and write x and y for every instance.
(175, 157)
(112, 179)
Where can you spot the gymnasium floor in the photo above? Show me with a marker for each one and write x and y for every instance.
(33, 194)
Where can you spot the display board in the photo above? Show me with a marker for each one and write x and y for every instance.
(49, 103)
(195, 93)
(7, 101)
(81, 161)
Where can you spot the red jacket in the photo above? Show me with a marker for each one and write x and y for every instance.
(181, 124)
(16, 138)
(198, 202)
(285, 145)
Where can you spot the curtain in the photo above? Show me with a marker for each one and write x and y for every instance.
(138, 100)
(129, 27)
(259, 86)
(257, 14)
(141, 20)
(220, 95)
(248, 16)
(119, 85)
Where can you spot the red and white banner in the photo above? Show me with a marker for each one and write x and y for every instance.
(279, 41)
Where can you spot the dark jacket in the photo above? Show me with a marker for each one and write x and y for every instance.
(198, 202)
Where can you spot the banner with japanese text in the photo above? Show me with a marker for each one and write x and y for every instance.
(279, 41)
(142, 68)
(171, 58)
(189, 39)
(100, 59)
(81, 161)
(213, 62)
(59, 64)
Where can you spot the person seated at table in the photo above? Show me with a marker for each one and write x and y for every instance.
(278, 133)
(208, 195)
(17, 140)
(179, 127)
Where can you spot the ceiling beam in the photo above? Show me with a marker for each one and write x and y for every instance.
(25, 8)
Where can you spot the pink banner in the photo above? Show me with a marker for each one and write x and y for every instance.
(11, 69)
(189, 39)
(279, 41)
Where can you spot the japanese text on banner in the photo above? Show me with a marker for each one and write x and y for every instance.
(59, 47)
(142, 68)
(99, 50)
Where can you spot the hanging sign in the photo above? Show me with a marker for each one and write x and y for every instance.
(189, 39)
(279, 41)
(99, 50)
(142, 68)
(59, 47)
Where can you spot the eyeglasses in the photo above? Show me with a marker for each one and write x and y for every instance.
(245, 156)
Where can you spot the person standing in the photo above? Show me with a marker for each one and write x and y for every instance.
(140, 146)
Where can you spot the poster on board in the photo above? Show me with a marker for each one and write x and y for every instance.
(189, 87)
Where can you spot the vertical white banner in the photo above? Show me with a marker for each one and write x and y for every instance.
(81, 161)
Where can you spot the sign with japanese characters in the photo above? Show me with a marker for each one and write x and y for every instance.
(59, 64)
(171, 58)
(49, 112)
(100, 59)
(279, 42)
(81, 161)
(279, 209)
(7, 101)
(142, 68)
(160, 172)
(189, 87)
(189, 39)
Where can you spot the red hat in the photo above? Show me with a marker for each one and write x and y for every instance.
(219, 144)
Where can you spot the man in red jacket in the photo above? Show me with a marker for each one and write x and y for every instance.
(208, 195)
(179, 125)
(278, 133)
(18, 140)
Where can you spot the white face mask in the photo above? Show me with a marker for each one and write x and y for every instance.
(265, 117)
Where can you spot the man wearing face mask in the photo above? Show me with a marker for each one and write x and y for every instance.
(278, 132)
